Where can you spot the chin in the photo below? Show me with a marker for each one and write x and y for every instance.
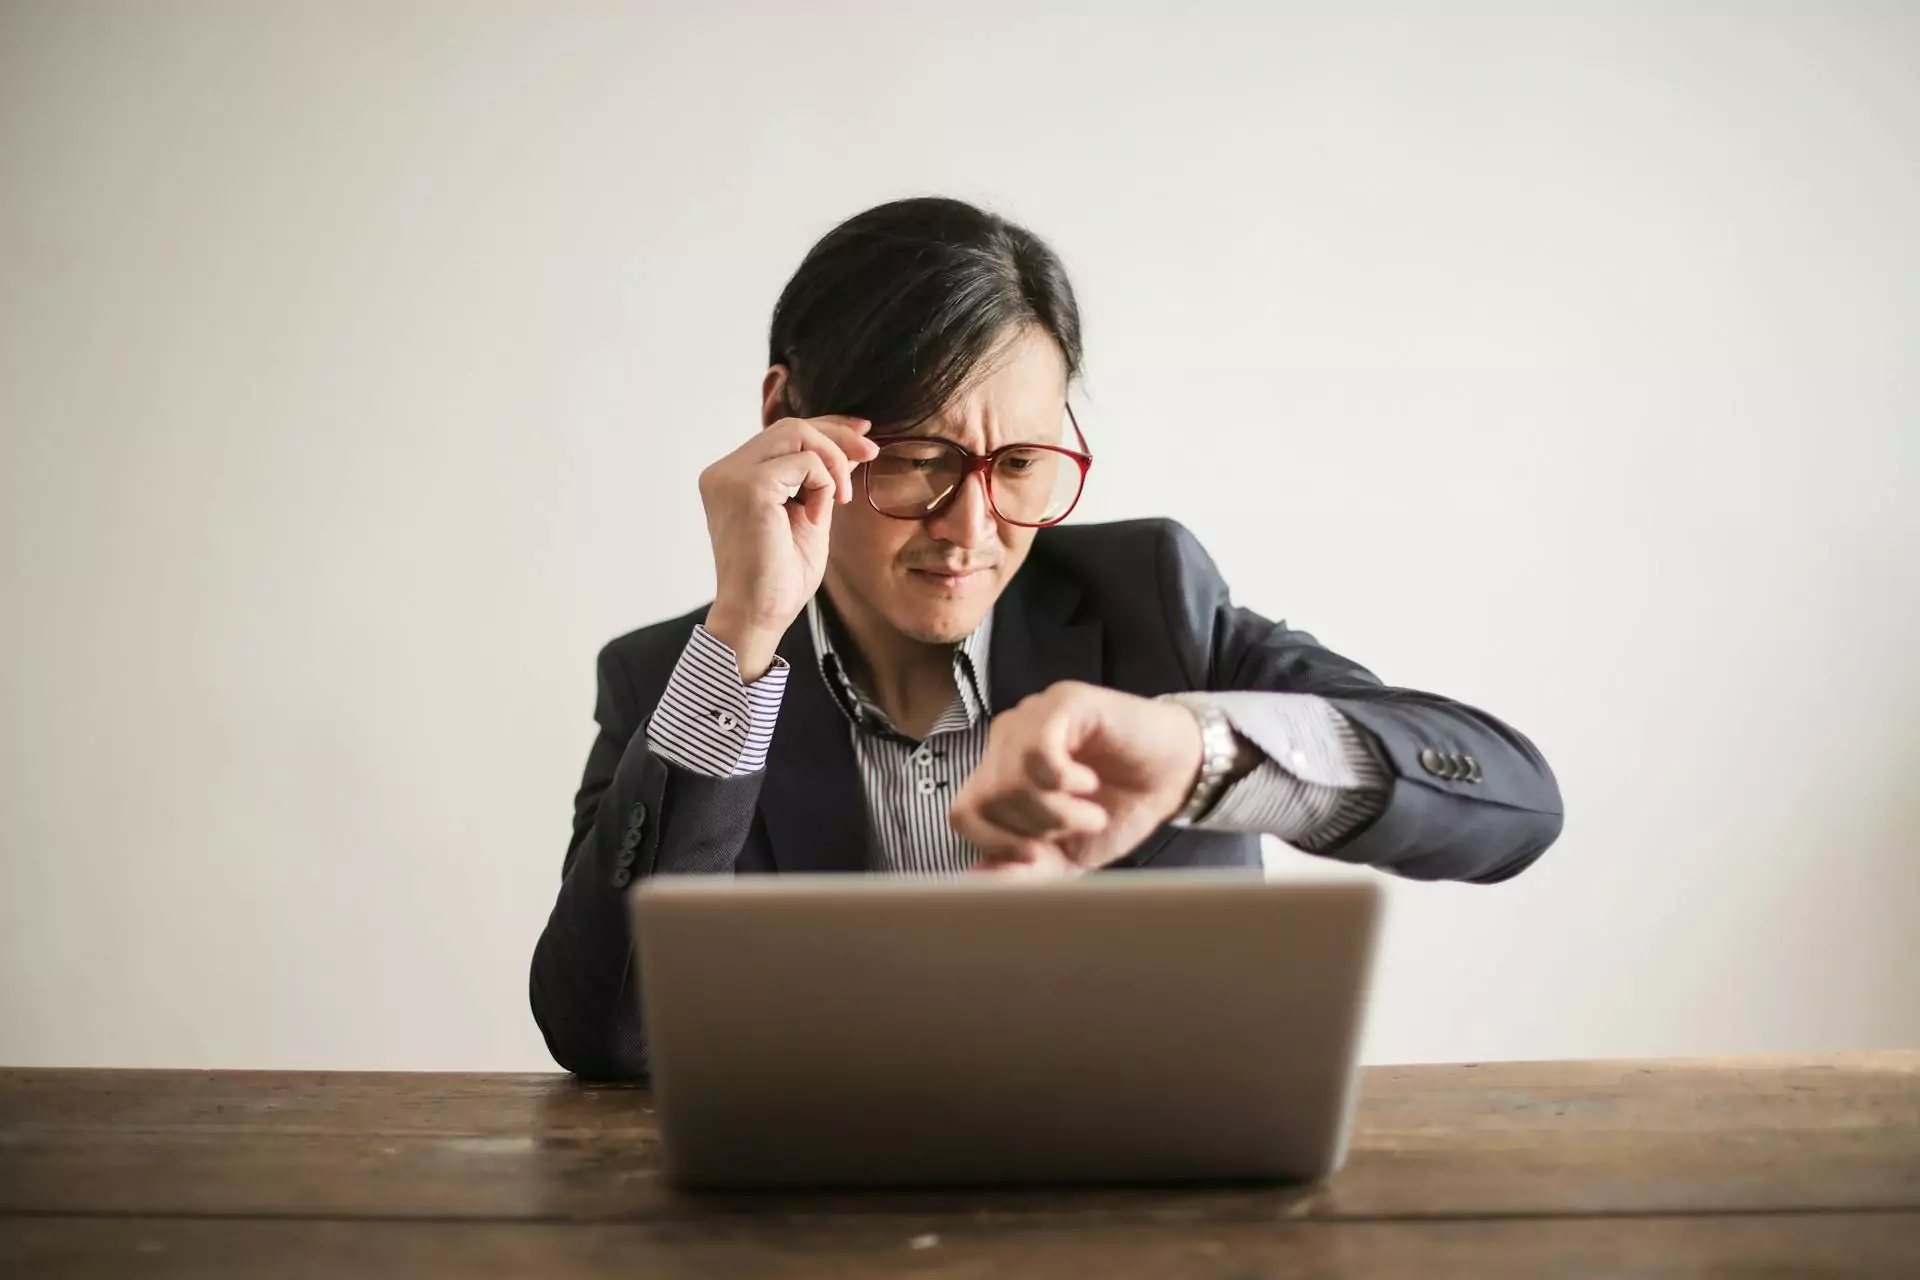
(948, 624)
(931, 614)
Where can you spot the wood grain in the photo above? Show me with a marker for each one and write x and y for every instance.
(1432, 1141)
(1801, 1167)
(1758, 1247)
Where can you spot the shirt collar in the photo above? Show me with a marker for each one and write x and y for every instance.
(970, 658)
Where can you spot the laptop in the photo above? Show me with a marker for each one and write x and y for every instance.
(842, 1031)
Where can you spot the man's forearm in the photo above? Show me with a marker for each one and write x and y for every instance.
(1309, 776)
(680, 800)
(655, 819)
(709, 721)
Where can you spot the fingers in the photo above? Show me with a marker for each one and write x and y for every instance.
(1044, 814)
(817, 491)
(1036, 860)
(809, 458)
(1029, 790)
(1050, 764)
(842, 449)
(840, 444)
(794, 475)
(860, 426)
(1014, 823)
(851, 434)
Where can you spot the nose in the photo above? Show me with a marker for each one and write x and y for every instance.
(968, 521)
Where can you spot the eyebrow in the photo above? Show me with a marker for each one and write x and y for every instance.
(931, 427)
(978, 453)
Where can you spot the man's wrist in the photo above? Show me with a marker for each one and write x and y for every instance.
(1222, 757)
(1186, 729)
(710, 722)
(754, 647)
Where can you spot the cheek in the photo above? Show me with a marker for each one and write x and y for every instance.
(865, 542)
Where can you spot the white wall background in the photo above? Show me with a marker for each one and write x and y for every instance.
(356, 362)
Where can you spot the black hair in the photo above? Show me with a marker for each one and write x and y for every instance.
(895, 310)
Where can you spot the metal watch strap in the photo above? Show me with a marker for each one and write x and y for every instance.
(1218, 751)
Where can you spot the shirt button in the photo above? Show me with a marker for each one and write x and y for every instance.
(925, 786)
(725, 721)
(924, 757)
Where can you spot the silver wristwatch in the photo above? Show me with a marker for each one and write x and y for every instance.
(1219, 749)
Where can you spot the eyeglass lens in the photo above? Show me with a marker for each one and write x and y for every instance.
(911, 478)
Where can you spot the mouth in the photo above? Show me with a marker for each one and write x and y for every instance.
(949, 581)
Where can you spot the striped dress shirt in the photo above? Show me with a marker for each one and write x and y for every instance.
(1319, 778)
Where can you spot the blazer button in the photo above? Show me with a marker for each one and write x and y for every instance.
(1473, 770)
(631, 841)
(637, 820)
(1433, 762)
(622, 878)
(627, 855)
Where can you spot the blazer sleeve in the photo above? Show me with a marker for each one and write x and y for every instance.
(1470, 798)
(635, 813)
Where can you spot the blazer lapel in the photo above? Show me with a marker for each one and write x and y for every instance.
(811, 800)
(1037, 640)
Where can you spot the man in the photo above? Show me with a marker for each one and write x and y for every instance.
(907, 667)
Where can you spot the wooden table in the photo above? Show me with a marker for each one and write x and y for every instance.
(1763, 1167)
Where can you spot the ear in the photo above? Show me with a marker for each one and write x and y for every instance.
(773, 395)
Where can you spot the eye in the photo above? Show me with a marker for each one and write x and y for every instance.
(907, 457)
(1018, 466)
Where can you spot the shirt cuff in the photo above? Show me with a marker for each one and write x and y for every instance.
(709, 721)
(1320, 780)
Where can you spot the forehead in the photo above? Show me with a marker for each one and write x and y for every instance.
(1022, 395)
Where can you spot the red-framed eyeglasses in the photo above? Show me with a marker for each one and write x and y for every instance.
(918, 477)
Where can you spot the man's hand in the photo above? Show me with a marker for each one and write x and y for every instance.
(769, 507)
(1075, 777)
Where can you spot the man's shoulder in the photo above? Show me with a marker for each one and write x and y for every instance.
(1127, 556)
(1152, 586)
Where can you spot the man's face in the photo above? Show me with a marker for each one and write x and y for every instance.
(934, 580)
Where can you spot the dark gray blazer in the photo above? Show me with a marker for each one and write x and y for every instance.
(1137, 606)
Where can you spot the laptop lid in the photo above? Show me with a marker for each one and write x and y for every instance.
(1126, 1027)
